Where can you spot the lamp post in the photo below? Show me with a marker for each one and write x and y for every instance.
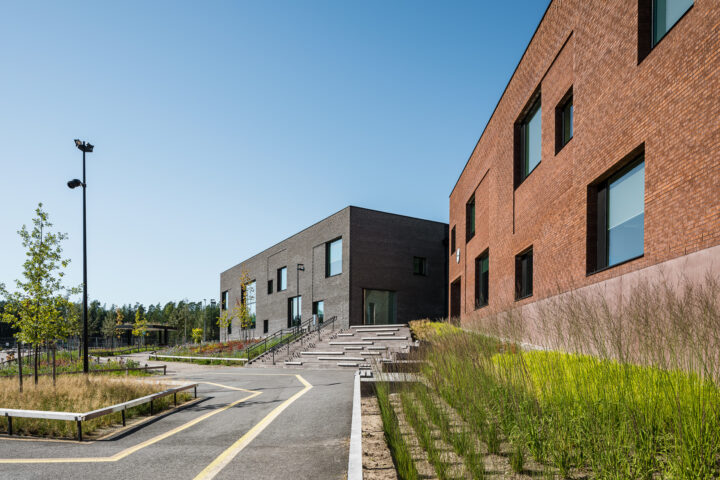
(300, 268)
(204, 316)
(84, 147)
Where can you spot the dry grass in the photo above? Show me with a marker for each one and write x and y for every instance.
(76, 394)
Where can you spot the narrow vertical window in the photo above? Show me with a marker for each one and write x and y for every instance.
(470, 219)
(524, 274)
(333, 258)
(530, 140)
(420, 266)
(250, 294)
(224, 300)
(282, 279)
(319, 310)
(266, 326)
(453, 245)
(270, 287)
(294, 311)
(482, 277)
(564, 121)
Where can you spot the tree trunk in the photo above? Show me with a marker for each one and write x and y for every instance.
(20, 365)
(37, 347)
(53, 361)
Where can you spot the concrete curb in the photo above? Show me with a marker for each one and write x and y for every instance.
(355, 471)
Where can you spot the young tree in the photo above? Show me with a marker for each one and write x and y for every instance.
(110, 325)
(140, 326)
(240, 311)
(39, 307)
(197, 335)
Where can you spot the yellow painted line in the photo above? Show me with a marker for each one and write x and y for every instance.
(128, 451)
(229, 387)
(228, 455)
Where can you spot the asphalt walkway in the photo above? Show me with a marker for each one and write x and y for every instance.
(251, 424)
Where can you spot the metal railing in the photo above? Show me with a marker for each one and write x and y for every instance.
(11, 413)
(303, 329)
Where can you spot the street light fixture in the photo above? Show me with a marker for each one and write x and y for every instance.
(84, 147)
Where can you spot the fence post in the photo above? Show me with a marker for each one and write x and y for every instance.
(79, 430)
(195, 389)
(123, 416)
(9, 419)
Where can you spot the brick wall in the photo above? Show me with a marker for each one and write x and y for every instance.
(669, 103)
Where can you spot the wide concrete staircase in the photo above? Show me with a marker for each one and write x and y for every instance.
(359, 346)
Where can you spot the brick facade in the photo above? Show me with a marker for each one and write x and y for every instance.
(667, 104)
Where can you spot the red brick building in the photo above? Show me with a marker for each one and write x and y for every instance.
(601, 159)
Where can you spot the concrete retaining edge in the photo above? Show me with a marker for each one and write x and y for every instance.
(355, 471)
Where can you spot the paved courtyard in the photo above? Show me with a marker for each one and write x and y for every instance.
(250, 424)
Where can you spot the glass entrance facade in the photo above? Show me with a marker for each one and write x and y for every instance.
(380, 307)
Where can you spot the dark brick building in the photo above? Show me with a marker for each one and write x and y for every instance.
(601, 159)
(361, 266)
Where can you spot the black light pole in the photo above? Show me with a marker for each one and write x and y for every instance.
(85, 148)
(300, 268)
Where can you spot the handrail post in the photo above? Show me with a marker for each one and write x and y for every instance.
(79, 430)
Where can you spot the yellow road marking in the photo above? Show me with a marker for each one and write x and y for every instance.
(130, 450)
(227, 456)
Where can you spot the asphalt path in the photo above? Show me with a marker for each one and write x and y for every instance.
(252, 423)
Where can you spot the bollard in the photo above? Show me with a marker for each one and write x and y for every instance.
(195, 389)
(123, 416)
(79, 430)
(10, 431)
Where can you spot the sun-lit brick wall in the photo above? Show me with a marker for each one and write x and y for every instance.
(669, 102)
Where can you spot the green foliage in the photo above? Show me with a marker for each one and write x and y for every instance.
(141, 324)
(399, 450)
(197, 335)
(39, 309)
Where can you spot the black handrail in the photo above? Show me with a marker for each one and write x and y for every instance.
(287, 336)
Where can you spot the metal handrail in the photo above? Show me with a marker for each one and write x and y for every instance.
(305, 328)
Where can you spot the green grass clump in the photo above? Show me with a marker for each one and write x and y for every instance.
(423, 431)
(404, 463)
(571, 411)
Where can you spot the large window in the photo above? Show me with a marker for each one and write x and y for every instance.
(665, 14)
(333, 258)
(620, 217)
(524, 274)
(564, 121)
(482, 277)
(470, 219)
(420, 266)
(282, 279)
(294, 311)
(530, 141)
(319, 310)
(380, 307)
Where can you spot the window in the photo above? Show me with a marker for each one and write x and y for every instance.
(482, 276)
(655, 19)
(666, 13)
(224, 300)
(453, 246)
(270, 287)
(619, 217)
(282, 279)
(380, 307)
(524, 274)
(470, 219)
(319, 310)
(266, 326)
(420, 266)
(333, 258)
(528, 142)
(294, 311)
(250, 290)
(564, 121)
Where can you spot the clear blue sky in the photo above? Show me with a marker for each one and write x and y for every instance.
(223, 127)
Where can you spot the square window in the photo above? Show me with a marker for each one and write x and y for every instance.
(420, 266)
(524, 274)
(482, 277)
(616, 223)
(282, 279)
(564, 121)
(470, 219)
(333, 258)
(528, 141)
(270, 287)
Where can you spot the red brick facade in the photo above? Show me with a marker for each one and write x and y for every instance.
(668, 103)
